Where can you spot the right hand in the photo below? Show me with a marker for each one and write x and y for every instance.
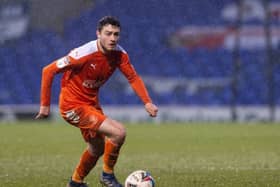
(152, 109)
(43, 113)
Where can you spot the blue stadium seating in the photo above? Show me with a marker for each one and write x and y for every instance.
(145, 27)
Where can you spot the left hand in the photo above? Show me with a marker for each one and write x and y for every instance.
(151, 109)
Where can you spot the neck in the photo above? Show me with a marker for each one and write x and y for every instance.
(101, 47)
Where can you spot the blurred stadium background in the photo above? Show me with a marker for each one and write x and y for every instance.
(201, 60)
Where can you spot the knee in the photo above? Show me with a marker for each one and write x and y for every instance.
(96, 152)
(100, 152)
(113, 130)
(96, 147)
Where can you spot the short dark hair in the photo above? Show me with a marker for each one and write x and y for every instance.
(108, 20)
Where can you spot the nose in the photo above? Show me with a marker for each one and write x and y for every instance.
(113, 38)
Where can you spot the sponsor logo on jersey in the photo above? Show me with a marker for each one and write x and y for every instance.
(92, 83)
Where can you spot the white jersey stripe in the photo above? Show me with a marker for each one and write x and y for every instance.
(89, 48)
(84, 50)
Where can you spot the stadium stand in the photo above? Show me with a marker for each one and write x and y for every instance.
(147, 27)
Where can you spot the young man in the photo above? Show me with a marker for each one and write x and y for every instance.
(85, 69)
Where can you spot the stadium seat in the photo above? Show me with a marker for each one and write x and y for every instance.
(144, 36)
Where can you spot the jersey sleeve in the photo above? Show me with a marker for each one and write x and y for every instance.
(134, 79)
(48, 74)
(74, 59)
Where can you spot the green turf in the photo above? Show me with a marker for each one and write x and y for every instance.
(177, 155)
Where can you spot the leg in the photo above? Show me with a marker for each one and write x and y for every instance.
(88, 159)
(115, 137)
(88, 119)
(93, 123)
(113, 130)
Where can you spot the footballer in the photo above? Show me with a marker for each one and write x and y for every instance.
(85, 69)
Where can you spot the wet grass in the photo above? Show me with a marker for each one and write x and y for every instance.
(44, 154)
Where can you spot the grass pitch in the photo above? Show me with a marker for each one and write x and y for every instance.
(177, 155)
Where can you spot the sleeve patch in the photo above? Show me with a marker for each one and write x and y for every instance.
(62, 62)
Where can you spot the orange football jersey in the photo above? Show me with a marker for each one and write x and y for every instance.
(85, 70)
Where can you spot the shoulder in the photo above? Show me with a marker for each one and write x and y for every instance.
(84, 50)
(123, 55)
(120, 49)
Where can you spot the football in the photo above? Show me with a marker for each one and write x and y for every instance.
(140, 178)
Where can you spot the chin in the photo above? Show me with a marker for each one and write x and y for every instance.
(110, 48)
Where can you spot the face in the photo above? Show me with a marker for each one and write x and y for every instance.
(108, 37)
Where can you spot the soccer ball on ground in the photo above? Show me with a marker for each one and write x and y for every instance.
(140, 178)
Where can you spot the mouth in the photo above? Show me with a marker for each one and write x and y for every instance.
(112, 45)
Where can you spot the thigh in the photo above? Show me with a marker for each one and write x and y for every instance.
(112, 128)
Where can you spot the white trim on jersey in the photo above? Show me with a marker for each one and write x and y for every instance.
(119, 48)
(89, 48)
(84, 50)
(62, 62)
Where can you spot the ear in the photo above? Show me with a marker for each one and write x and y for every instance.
(97, 34)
